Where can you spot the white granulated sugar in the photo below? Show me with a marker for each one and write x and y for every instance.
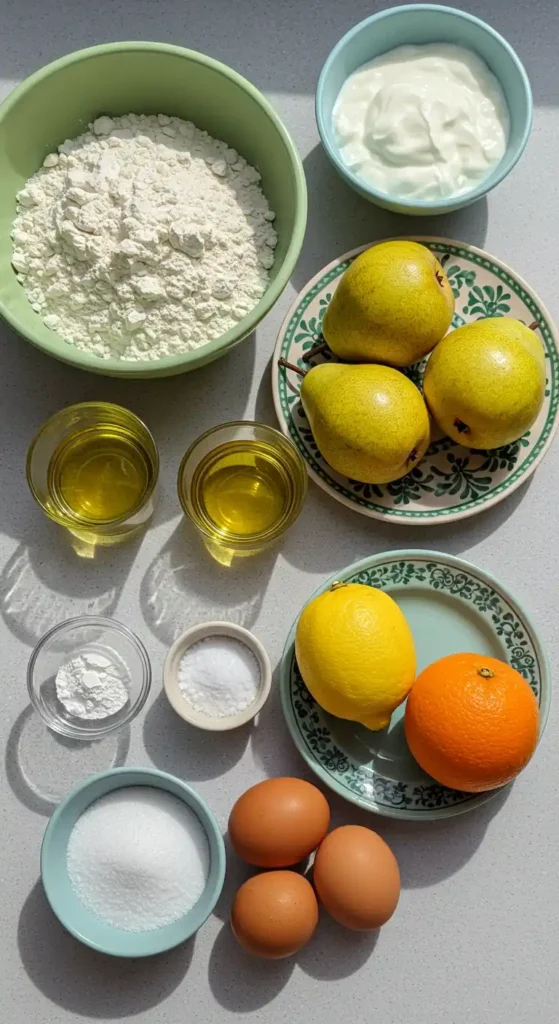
(92, 686)
(219, 676)
(138, 859)
(143, 238)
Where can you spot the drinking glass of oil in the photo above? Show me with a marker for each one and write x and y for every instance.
(242, 484)
(93, 469)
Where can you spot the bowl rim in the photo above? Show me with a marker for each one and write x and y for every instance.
(223, 344)
(74, 732)
(502, 169)
(191, 636)
(208, 822)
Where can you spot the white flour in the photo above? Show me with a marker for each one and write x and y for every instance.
(91, 686)
(143, 238)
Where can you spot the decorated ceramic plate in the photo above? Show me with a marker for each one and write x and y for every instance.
(451, 606)
(451, 482)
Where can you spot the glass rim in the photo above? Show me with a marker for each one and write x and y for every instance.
(91, 523)
(238, 540)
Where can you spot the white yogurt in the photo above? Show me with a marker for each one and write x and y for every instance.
(422, 122)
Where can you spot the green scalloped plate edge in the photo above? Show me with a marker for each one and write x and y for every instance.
(395, 515)
(359, 566)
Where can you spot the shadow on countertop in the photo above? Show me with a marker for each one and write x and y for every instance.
(308, 542)
(87, 983)
(184, 586)
(45, 581)
(335, 952)
(352, 221)
(272, 747)
(192, 754)
(430, 852)
(42, 766)
(427, 852)
(250, 37)
(240, 982)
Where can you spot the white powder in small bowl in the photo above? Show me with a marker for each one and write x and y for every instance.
(138, 859)
(92, 685)
(219, 676)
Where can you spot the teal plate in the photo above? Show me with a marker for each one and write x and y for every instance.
(451, 482)
(451, 606)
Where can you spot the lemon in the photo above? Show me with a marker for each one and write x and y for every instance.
(356, 653)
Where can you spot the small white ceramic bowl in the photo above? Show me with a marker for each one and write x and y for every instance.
(171, 676)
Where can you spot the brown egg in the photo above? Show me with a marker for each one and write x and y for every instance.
(274, 914)
(278, 822)
(357, 878)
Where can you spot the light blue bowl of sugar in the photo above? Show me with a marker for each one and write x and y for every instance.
(420, 24)
(62, 896)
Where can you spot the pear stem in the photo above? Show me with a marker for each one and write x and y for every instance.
(316, 350)
(291, 366)
(533, 326)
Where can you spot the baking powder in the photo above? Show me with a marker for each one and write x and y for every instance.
(91, 686)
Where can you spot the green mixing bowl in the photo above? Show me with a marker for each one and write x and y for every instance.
(60, 100)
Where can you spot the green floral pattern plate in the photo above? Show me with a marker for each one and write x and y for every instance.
(451, 482)
(451, 606)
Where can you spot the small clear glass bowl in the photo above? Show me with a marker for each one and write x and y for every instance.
(67, 640)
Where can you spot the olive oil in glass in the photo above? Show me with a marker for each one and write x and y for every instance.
(99, 475)
(242, 485)
(93, 469)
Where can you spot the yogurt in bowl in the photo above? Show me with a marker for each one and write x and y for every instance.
(428, 122)
(392, 150)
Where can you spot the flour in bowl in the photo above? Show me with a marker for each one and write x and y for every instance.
(143, 238)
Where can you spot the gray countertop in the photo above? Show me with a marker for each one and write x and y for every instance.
(474, 938)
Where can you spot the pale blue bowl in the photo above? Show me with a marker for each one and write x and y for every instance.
(425, 23)
(71, 913)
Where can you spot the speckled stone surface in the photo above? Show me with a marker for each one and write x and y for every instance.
(474, 940)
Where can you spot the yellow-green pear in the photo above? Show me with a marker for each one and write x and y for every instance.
(485, 382)
(392, 305)
(370, 422)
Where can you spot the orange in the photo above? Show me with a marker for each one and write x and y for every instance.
(471, 722)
